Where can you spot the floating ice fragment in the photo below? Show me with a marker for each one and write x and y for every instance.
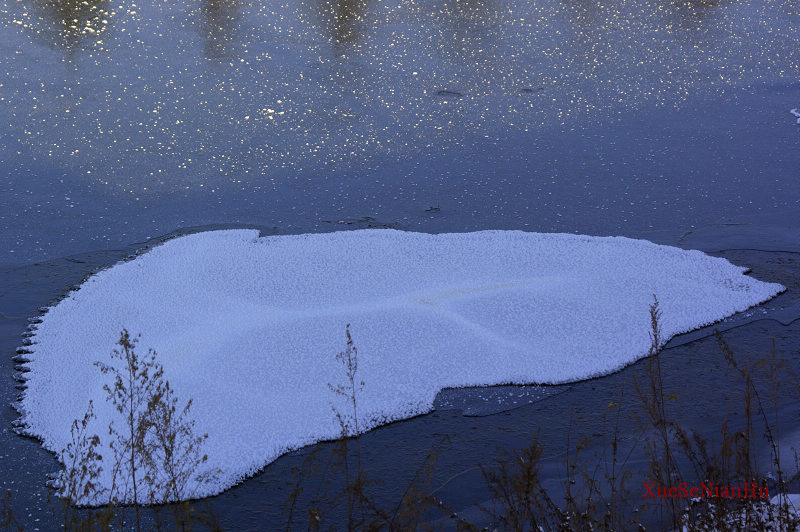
(248, 327)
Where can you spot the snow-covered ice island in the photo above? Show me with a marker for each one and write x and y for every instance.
(248, 327)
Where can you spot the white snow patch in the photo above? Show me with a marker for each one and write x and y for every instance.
(792, 501)
(249, 327)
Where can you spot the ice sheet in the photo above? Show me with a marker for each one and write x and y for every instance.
(248, 327)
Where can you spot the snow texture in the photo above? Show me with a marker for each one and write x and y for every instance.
(249, 327)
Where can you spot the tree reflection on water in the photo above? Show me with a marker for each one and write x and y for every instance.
(69, 24)
(220, 22)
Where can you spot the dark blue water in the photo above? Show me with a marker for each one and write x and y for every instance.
(124, 121)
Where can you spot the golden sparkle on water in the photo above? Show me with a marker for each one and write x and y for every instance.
(181, 94)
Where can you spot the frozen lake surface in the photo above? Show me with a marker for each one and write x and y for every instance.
(127, 121)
